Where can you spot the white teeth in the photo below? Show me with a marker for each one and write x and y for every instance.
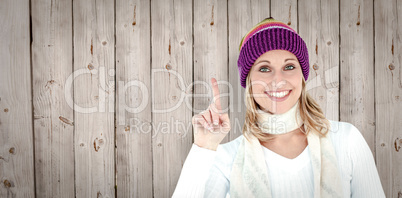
(278, 94)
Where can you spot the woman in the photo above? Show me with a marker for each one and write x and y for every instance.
(288, 147)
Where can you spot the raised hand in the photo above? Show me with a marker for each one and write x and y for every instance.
(211, 125)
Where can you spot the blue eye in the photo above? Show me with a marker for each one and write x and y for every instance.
(264, 68)
(291, 66)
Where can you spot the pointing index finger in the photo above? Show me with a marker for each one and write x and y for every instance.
(215, 90)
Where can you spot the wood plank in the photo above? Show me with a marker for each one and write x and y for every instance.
(357, 62)
(319, 28)
(16, 139)
(388, 94)
(210, 54)
(243, 15)
(94, 98)
(133, 109)
(285, 11)
(171, 80)
(53, 117)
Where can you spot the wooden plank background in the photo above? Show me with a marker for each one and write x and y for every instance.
(17, 170)
(171, 45)
(52, 58)
(388, 94)
(97, 96)
(133, 149)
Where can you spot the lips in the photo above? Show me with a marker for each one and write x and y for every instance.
(278, 95)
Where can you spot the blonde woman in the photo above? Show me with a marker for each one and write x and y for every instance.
(288, 147)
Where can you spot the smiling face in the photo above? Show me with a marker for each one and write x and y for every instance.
(276, 81)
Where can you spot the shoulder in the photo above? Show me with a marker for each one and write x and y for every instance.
(346, 138)
(343, 131)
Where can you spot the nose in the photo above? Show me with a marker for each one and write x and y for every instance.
(278, 81)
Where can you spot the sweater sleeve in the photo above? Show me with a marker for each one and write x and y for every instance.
(365, 179)
(198, 173)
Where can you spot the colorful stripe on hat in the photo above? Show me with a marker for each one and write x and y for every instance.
(263, 25)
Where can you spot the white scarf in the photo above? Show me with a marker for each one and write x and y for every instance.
(279, 123)
(249, 176)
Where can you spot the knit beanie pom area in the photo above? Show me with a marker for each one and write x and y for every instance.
(270, 34)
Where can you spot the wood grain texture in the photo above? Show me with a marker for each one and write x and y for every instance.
(285, 11)
(94, 98)
(388, 94)
(356, 68)
(210, 54)
(171, 81)
(64, 131)
(243, 15)
(319, 28)
(53, 117)
(133, 99)
(16, 139)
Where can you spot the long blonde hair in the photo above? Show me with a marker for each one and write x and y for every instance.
(312, 116)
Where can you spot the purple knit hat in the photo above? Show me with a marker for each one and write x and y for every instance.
(270, 34)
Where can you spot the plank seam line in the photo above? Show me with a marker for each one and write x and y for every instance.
(32, 88)
(115, 107)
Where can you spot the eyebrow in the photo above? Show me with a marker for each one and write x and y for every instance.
(288, 59)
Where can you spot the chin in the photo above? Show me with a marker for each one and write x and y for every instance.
(275, 107)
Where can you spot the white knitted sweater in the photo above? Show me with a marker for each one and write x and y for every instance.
(206, 173)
